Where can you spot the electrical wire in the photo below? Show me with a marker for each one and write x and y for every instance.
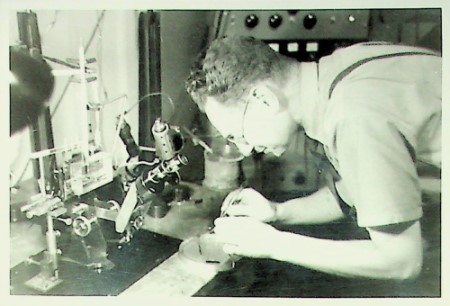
(121, 117)
(97, 26)
(119, 124)
(114, 100)
(151, 95)
(197, 140)
(126, 111)
(53, 22)
(86, 48)
(100, 62)
(142, 162)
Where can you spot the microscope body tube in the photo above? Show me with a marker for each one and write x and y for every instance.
(167, 141)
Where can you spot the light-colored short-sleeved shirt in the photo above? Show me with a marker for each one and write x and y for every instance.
(374, 122)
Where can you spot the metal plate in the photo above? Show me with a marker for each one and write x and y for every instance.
(206, 250)
(145, 252)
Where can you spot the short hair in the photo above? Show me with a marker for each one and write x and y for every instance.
(229, 66)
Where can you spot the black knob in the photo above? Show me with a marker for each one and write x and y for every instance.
(251, 21)
(309, 21)
(275, 21)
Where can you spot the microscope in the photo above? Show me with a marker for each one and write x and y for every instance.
(148, 179)
(74, 230)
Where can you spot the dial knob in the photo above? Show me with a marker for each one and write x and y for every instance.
(309, 21)
(251, 21)
(275, 21)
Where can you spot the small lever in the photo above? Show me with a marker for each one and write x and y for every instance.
(66, 221)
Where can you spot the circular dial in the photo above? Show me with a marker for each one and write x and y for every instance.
(309, 21)
(251, 21)
(275, 21)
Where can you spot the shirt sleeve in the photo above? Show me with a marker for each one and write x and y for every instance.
(378, 172)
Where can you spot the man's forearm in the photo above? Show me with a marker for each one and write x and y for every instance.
(356, 258)
(320, 207)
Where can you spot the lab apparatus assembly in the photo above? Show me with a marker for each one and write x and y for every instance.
(117, 178)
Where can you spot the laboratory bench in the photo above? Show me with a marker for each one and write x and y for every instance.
(142, 266)
(131, 262)
(269, 278)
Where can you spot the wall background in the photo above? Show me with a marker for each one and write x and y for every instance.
(115, 48)
(183, 34)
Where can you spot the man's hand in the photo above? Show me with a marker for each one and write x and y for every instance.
(249, 203)
(246, 236)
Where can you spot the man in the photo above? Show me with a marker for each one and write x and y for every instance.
(375, 107)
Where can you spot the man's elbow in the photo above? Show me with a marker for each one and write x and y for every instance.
(400, 247)
(408, 269)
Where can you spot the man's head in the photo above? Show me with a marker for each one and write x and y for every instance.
(238, 83)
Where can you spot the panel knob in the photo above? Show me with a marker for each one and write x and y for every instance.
(309, 21)
(275, 21)
(251, 21)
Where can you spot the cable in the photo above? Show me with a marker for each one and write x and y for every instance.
(99, 62)
(140, 163)
(71, 77)
(119, 124)
(150, 95)
(99, 20)
(115, 99)
(53, 22)
(197, 140)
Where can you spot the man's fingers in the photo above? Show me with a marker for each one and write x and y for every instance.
(234, 224)
(228, 228)
(231, 249)
(238, 210)
(230, 199)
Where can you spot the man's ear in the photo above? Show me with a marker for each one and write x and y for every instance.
(266, 96)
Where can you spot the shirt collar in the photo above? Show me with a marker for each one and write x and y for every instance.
(305, 110)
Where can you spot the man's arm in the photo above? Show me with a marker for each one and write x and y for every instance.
(318, 208)
(393, 252)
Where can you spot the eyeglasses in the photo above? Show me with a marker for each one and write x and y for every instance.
(237, 140)
(240, 140)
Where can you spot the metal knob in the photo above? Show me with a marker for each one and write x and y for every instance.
(275, 21)
(309, 21)
(82, 226)
(251, 21)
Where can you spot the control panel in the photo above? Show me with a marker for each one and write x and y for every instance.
(296, 24)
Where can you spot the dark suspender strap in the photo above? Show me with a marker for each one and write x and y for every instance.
(330, 174)
(349, 69)
(331, 184)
